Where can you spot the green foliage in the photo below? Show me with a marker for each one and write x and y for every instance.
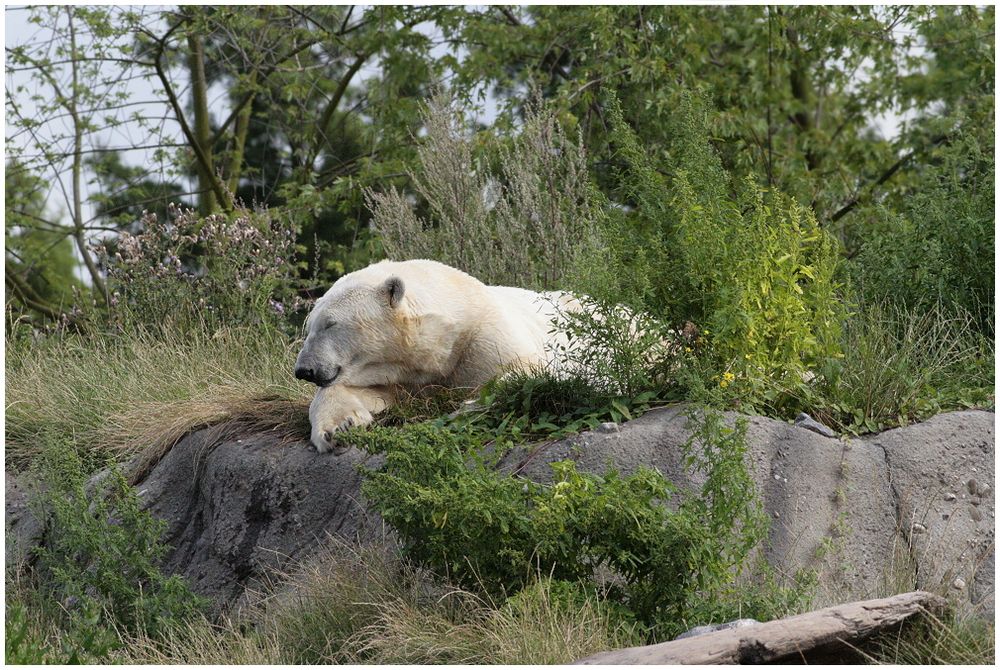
(487, 529)
(762, 595)
(101, 557)
(39, 253)
(753, 270)
(543, 404)
(789, 104)
(82, 639)
(904, 364)
(935, 247)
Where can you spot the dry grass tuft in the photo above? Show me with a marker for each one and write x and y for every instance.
(286, 420)
(140, 393)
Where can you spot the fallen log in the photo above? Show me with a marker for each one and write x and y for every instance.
(806, 637)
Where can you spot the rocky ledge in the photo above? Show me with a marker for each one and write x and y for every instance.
(916, 501)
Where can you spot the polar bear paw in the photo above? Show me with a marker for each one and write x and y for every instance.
(324, 432)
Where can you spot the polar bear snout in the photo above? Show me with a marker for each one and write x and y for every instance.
(318, 377)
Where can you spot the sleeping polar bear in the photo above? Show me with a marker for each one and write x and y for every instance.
(416, 323)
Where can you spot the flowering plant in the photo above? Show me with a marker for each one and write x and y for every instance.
(221, 270)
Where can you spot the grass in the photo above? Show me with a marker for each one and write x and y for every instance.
(948, 640)
(903, 365)
(124, 395)
(351, 605)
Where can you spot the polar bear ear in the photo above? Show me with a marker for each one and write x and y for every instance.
(393, 290)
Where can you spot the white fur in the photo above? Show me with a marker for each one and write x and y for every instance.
(448, 329)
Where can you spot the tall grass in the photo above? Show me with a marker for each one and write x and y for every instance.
(903, 364)
(126, 393)
(949, 640)
(355, 605)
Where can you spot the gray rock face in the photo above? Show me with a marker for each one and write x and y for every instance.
(803, 420)
(868, 514)
(239, 509)
(871, 515)
(23, 530)
(942, 479)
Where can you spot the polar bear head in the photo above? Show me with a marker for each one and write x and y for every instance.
(354, 327)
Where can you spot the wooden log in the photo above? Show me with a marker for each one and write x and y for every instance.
(799, 638)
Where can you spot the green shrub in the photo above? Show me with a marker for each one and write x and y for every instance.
(100, 557)
(750, 267)
(485, 529)
(938, 247)
(526, 405)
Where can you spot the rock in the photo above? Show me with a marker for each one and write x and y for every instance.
(955, 443)
(805, 500)
(235, 511)
(949, 497)
(24, 530)
(703, 630)
(608, 427)
(803, 420)
(830, 634)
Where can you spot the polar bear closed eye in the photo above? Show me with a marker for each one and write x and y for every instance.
(416, 323)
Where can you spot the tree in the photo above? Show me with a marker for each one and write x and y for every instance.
(70, 102)
(797, 89)
(39, 270)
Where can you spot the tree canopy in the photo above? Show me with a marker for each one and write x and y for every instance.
(301, 109)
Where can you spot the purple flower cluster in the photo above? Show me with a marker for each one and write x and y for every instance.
(229, 265)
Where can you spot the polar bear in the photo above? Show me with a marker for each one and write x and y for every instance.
(406, 325)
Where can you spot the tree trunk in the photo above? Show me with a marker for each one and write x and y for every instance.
(242, 125)
(79, 232)
(202, 130)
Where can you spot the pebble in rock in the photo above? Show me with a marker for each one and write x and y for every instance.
(803, 420)
(609, 427)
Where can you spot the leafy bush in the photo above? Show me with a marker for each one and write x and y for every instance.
(616, 350)
(749, 266)
(525, 223)
(460, 517)
(217, 272)
(938, 247)
(100, 560)
(524, 405)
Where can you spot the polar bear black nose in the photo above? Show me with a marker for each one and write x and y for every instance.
(307, 374)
